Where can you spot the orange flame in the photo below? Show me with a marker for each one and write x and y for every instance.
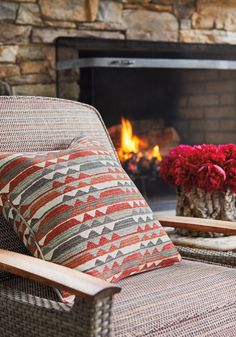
(156, 153)
(129, 142)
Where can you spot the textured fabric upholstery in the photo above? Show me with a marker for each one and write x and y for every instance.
(187, 300)
(40, 123)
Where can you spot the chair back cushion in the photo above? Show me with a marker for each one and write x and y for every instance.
(39, 124)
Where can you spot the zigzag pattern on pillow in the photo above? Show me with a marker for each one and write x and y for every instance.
(78, 207)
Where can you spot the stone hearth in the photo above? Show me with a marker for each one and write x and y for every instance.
(29, 28)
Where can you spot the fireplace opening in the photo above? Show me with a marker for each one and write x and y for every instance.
(136, 94)
(170, 93)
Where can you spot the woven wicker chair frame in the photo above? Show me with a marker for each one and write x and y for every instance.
(30, 308)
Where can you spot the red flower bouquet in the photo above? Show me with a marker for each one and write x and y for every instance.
(210, 168)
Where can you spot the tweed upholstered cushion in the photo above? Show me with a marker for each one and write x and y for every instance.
(77, 207)
(191, 299)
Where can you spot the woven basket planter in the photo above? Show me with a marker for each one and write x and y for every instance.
(210, 205)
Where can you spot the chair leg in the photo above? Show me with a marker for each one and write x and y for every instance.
(94, 316)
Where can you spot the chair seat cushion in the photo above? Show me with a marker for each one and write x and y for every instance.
(188, 300)
(77, 207)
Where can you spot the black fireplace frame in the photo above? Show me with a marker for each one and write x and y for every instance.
(103, 48)
(97, 52)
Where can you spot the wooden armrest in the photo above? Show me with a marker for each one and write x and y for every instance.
(198, 224)
(55, 275)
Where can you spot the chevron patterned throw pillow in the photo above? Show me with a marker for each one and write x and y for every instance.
(77, 207)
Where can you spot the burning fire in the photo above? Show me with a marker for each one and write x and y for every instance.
(156, 153)
(131, 144)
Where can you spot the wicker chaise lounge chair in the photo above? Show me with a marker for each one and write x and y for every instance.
(189, 299)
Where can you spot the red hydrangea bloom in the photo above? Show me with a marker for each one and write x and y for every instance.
(175, 168)
(229, 150)
(209, 167)
(230, 170)
(211, 177)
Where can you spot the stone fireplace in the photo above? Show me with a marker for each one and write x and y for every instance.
(29, 30)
